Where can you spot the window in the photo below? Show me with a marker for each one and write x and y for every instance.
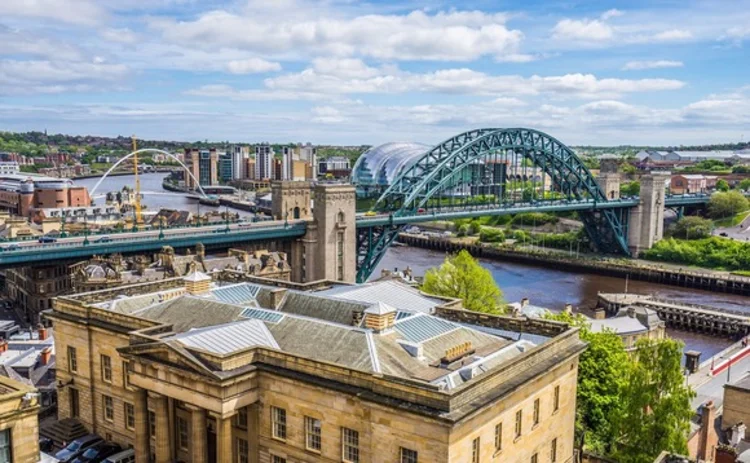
(278, 459)
(340, 256)
(182, 433)
(6, 446)
(241, 418)
(243, 451)
(556, 401)
(535, 458)
(519, 423)
(125, 370)
(312, 434)
(553, 451)
(536, 412)
(349, 445)
(408, 455)
(72, 359)
(151, 424)
(475, 451)
(278, 423)
(498, 436)
(109, 408)
(106, 368)
(129, 416)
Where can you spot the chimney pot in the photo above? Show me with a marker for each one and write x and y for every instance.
(524, 302)
(3, 346)
(45, 355)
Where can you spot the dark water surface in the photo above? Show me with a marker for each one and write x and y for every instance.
(553, 288)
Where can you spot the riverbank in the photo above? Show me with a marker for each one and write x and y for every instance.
(623, 268)
(159, 170)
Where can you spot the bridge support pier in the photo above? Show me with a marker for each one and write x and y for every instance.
(610, 184)
(328, 251)
(646, 224)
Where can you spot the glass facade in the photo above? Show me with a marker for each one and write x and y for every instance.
(378, 166)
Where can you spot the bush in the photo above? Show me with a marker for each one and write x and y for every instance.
(713, 252)
(475, 227)
(630, 189)
(534, 218)
(692, 228)
(463, 230)
(491, 235)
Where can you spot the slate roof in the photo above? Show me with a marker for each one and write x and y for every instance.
(620, 325)
(236, 294)
(324, 308)
(398, 295)
(186, 312)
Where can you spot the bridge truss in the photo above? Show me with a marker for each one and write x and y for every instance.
(493, 169)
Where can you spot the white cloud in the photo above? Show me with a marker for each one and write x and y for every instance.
(673, 35)
(27, 77)
(613, 13)
(657, 64)
(83, 12)
(252, 66)
(459, 36)
(582, 30)
(123, 35)
(21, 42)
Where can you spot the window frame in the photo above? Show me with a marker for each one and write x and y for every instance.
(408, 455)
(278, 423)
(349, 445)
(537, 411)
(553, 451)
(127, 409)
(108, 407)
(556, 399)
(499, 437)
(72, 359)
(182, 425)
(105, 363)
(310, 434)
(243, 458)
(519, 424)
(476, 450)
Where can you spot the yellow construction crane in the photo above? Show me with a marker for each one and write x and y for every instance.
(138, 222)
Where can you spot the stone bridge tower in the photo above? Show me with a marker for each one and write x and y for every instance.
(646, 224)
(329, 248)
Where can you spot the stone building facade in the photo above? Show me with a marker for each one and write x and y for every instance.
(288, 373)
(19, 425)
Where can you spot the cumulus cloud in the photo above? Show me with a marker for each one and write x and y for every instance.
(83, 12)
(123, 35)
(657, 64)
(26, 77)
(454, 35)
(673, 34)
(252, 66)
(582, 30)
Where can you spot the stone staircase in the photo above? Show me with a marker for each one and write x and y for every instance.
(63, 431)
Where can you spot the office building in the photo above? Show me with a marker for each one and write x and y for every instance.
(226, 167)
(240, 155)
(24, 194)
(218, 367)
(264, 156)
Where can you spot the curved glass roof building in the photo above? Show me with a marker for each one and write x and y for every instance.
(378, 166)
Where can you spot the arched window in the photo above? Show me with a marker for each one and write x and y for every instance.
(296, 212)
(341, 217)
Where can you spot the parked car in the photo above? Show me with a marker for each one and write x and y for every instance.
(77, 447)
(47, 239)
(98, 452)
(724, 234)
(104, 239)
(126, 456)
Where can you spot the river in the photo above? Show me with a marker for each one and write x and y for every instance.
(544, 287)
(150, 183)
(552, 288)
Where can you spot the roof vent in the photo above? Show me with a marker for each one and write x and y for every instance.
(197, 282)
(468, 373)
(415, 350)
(457, 352)
(380, 317)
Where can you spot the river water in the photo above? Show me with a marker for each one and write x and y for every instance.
(544, 287)
(552, 288)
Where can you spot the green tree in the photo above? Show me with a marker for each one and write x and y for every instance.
(692, 228)
(745, 184)
(462, 276)
(722, 185)
(656, 408)
(602, 372)
(725, 204)
(630, 189)
(475, 226)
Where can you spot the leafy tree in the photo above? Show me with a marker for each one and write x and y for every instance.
(745, 184)
(655, 401)
(602, 372)
(630, 189)
(724, 204)
(692, 228)
(627, 168)
(491, 235)
(475, 226)
(462, 276)
(722, 185)
(463, 230)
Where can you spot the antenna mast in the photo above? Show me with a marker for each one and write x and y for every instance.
(138, 220)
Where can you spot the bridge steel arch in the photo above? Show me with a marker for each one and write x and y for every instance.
(148, 150)
(441, 166)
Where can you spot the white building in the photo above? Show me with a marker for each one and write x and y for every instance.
(240, 154)
(309, 154)
(9, 168)
(264, 162)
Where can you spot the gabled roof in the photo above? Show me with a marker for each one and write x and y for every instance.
(380, 308)
(227, 338)
(400, 296)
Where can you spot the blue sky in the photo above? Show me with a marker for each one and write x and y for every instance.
(348, 72)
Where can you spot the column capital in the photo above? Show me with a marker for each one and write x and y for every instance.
(222, 416)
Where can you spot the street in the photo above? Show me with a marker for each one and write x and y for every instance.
(714, 389)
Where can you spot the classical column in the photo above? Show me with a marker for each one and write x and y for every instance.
(163, 444)
(197, 434)
(142, 437)
(224, 447)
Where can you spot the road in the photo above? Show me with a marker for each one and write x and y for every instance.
(714, 389)
(740, 232)
(141, 235)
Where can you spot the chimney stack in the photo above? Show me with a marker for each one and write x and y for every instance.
(524, 302)
(42, 330)
(708, 438)
(600, 313)
(277, 295)
(3, 346)
(45, 355)
(380, 317)
(568, 308)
